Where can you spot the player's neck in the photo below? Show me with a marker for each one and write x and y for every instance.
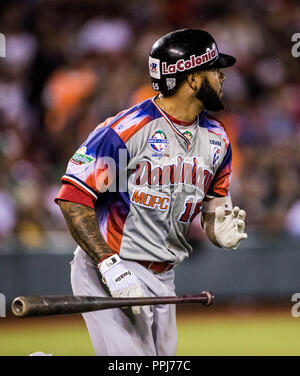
(185, 110)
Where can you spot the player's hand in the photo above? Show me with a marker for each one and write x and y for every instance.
(121, 282)
(229, 229)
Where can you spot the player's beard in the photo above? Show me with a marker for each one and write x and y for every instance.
(209, 97)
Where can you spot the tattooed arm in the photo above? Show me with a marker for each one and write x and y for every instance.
(84, 228)
(83, 225)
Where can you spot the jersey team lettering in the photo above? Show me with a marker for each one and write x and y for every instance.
(181, 172)
(194, 61)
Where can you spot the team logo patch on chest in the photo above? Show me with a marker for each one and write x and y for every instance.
(188, 135)
(158, 142)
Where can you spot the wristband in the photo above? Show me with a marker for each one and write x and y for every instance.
(105, 257)
(108, 263)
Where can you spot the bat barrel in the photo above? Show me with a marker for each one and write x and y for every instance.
(29, 306)
(25, 306)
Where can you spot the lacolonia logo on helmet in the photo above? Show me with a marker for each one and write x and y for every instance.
(194, 61)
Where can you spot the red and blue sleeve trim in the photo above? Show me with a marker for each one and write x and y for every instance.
(80, 184)
(70, 192)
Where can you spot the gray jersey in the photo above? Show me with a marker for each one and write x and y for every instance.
(149, 180)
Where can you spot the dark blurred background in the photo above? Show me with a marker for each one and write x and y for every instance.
(71, 63)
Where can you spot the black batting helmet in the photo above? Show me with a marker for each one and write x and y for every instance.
(181, 52)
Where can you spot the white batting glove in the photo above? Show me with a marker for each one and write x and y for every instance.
(229, 230)
(121, 282)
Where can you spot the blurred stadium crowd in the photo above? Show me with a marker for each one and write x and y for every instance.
(71, 63)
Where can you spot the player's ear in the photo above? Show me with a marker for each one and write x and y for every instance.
(194, 80)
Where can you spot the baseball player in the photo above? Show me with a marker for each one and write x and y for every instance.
(134, 186)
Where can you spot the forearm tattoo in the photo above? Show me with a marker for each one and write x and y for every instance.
(84, 228)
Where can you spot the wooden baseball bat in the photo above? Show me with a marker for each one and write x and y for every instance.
(30, 306)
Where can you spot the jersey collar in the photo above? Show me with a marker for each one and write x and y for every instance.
(173, 126)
